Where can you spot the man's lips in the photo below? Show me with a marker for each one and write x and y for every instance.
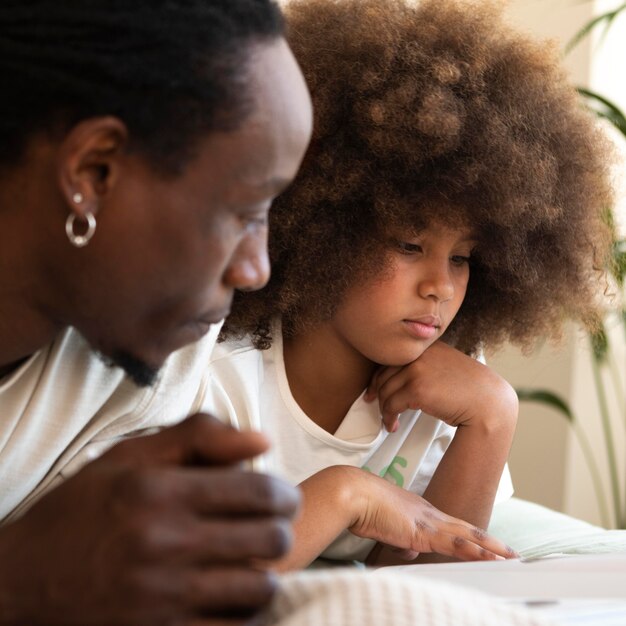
(206, 321)
(201, 325)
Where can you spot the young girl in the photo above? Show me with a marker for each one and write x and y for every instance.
(452, 198)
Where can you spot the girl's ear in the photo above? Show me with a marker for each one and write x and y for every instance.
(89, 162)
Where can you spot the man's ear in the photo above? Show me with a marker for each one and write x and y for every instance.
(89, 162)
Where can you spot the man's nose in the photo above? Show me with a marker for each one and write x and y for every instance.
(249, 268)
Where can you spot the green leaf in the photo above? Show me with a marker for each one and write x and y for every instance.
(600, 345)
(606, 19)
(543, 396)
(604, 108)
(552, 400)
(619, 262)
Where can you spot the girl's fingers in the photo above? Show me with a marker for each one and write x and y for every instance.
(464, 550)
(381, 376)
(394, 398)
(391, 423)
(437, 532)
(394, 394)
(406, 555)
(487, 541)
(471, 543)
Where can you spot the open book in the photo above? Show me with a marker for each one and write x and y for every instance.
(583, 589)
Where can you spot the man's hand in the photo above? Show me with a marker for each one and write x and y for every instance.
(445, 383)
(160, 530)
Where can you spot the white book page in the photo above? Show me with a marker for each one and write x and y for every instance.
(581, 589)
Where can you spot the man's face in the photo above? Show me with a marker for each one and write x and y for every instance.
(169, 252)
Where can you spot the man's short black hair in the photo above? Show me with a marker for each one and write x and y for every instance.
(170, 69)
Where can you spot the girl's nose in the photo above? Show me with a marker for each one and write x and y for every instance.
(437, 284)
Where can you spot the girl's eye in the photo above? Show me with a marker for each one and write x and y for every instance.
(460, 260)
(408, 248)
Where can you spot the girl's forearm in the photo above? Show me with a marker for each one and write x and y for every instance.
(326, 510)
(467, 478)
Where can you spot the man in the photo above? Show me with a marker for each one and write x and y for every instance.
(141, 146)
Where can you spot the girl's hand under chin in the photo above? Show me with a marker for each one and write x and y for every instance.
(446, 384)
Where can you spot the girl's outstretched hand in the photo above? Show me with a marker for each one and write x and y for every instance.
(343, 497)
(445, 383)
(407, 522)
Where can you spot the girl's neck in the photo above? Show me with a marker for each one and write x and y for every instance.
(325, 375)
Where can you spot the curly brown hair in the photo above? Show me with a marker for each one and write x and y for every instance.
(438, 112)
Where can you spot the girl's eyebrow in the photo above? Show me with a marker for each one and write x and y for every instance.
(470, 238)
(472, 234)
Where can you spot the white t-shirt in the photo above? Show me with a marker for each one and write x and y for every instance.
(248, 388)
(64, 407)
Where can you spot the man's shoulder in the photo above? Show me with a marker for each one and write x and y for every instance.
(235, 350)
(237, 361)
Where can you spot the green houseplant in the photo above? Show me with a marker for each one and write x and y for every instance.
(608, 373)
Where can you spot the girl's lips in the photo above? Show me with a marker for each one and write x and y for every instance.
(420, 329)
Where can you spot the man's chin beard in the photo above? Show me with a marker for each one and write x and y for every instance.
(142, 374)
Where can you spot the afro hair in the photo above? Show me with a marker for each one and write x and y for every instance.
(438, 111)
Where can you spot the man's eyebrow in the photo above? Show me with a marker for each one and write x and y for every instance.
(276, 185)
(272, 186)
(253, 176)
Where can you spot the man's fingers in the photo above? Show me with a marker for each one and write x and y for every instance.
(222, 595)
(255, 619)
(220, 590)
(237, 541)
(196, 515)
(192, 515)
(198, 440)
(222, 491)
(225, 621)
(227, 541)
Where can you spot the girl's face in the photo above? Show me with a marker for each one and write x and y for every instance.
(393, 318)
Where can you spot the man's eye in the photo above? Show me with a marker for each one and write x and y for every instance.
(408, 248)
(255, 222)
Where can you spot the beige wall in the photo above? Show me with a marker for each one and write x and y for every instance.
(546, 460)
(558, 20)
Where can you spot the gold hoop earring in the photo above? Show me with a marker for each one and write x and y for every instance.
(80, 241)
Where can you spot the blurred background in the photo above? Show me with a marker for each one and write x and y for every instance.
(571, 457)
